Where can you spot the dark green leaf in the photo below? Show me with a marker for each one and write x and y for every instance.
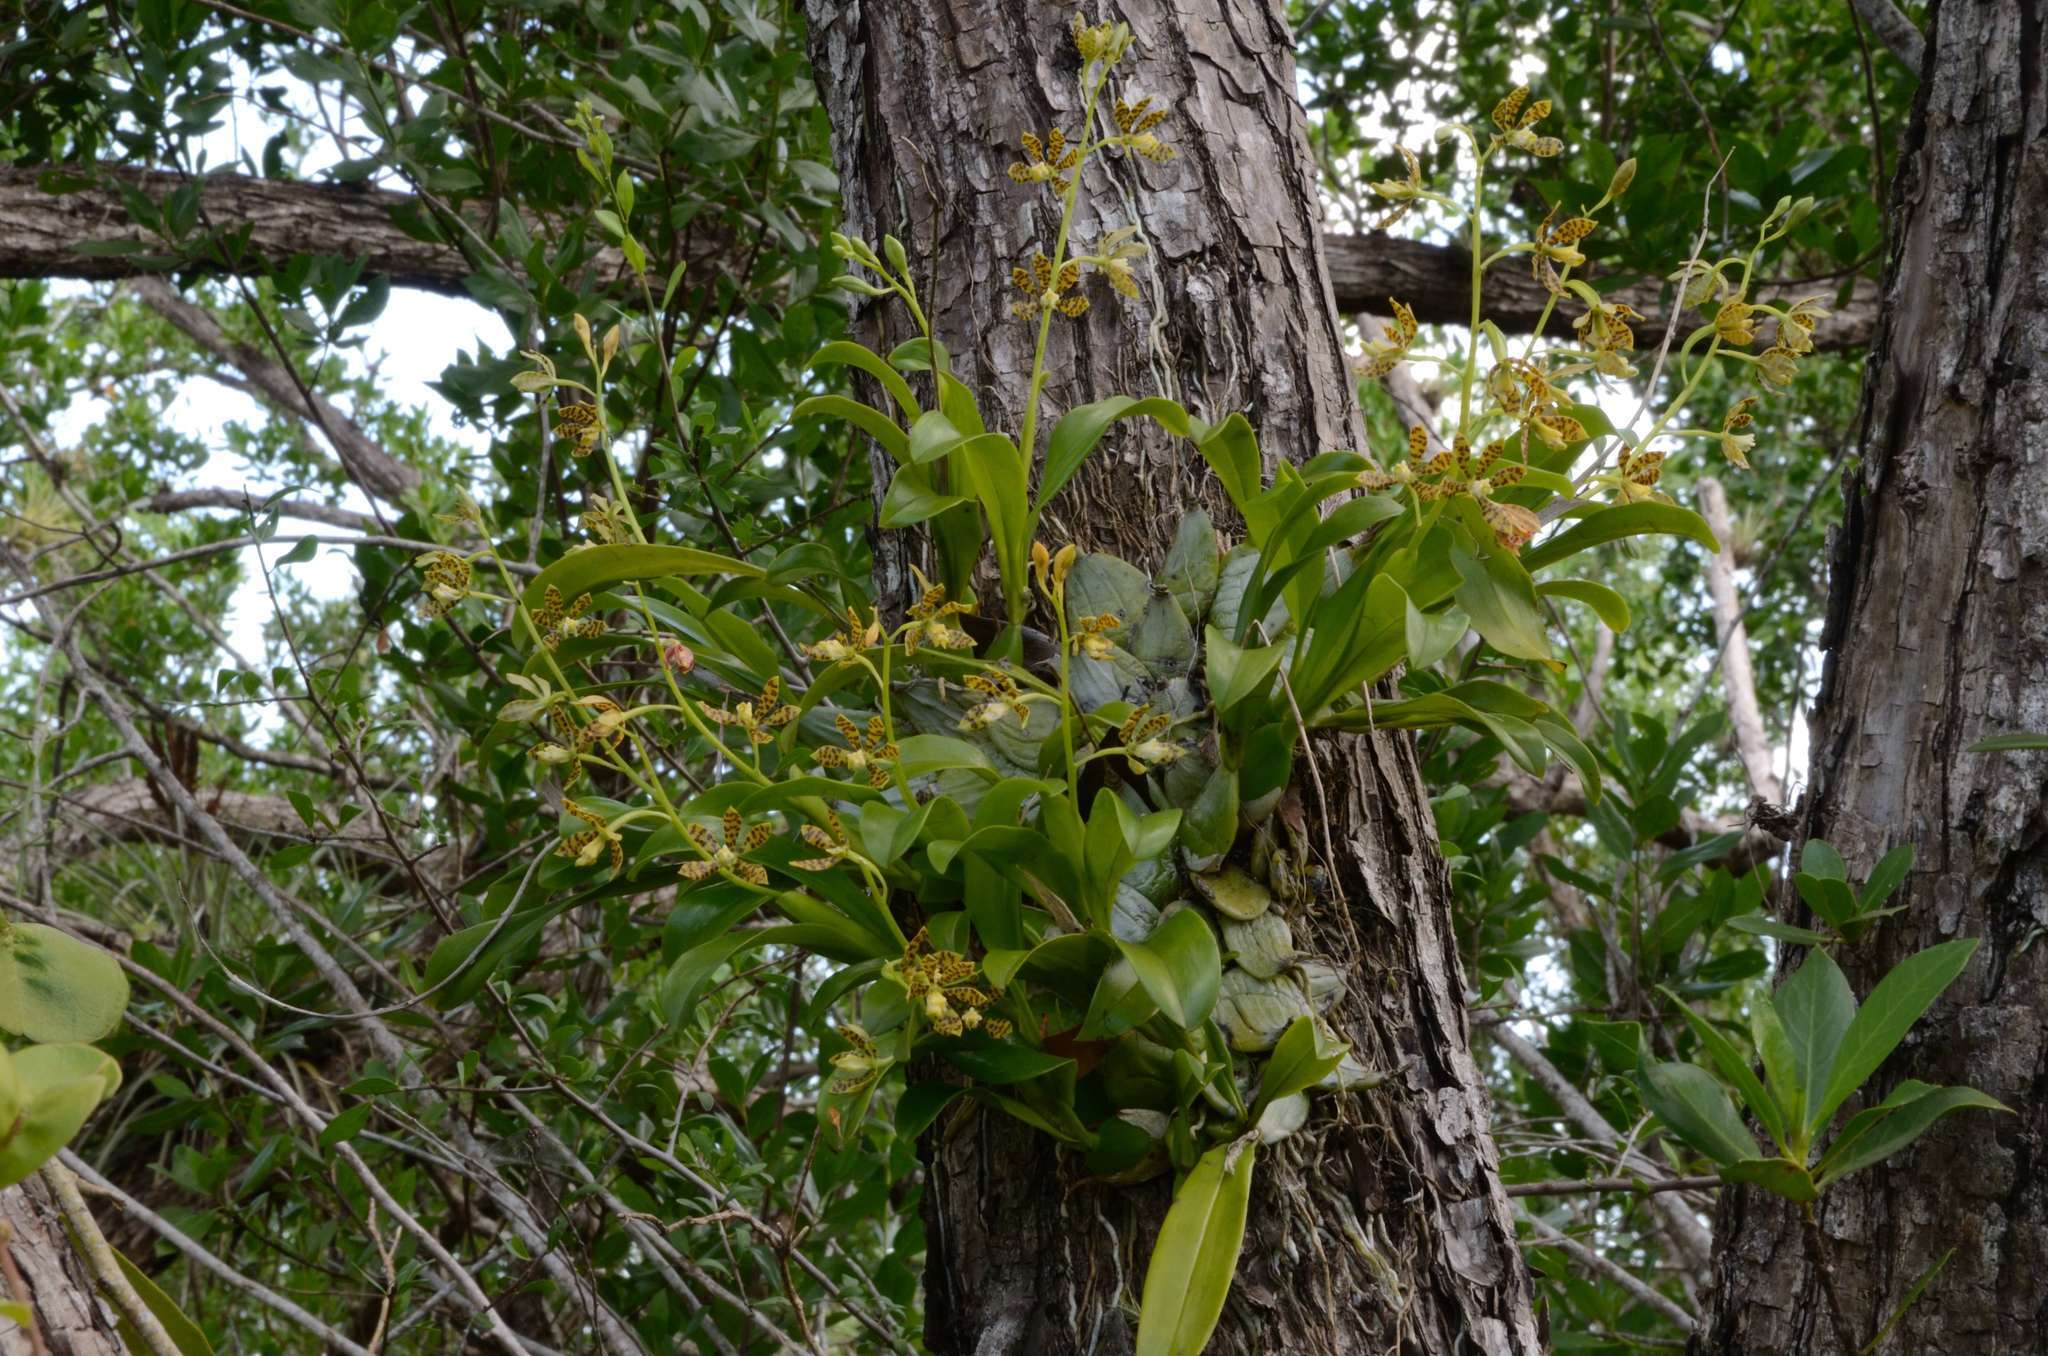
(1695, 1109)
(1893, 1006)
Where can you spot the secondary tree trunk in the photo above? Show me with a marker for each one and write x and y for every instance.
(1938, 636)
(1384, 1226)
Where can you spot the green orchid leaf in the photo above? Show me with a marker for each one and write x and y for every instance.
(1305, 1055)
(1195, 1257)
(866, 418)
(1616, 522)
(1610, 607)
(1081, 428)
(846, 353)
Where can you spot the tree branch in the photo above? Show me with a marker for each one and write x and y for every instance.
(45, 235)
(1893, 29)
(1621, 1276)
(200, 1256)
(1690, 1239)
(1736, 675)
(1568, 1186)
(1527, 793)
(369, 465)
(241, 501)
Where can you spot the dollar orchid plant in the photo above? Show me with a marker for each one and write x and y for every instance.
(1063, 876)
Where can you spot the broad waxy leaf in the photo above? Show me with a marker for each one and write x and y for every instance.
(846, 353)
(1778, 1175)
(1614, 523)
(1180, 967)
(1195, 1258)
(1501, 600)
(1609, 606)
(932, 437)
(1889, 873)
(591, 568)
(1237, 674)
(1255, 1013)
(53, 1089)
(1232, 451)
(912, 498)
(1735, 1068)
(866, 418)
(56, 988)
(1304, 1056)
(1876, 1134)
(1121, 1001)
(1081, 428)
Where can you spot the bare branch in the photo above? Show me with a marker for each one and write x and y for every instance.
(125, 811)
(1736, 675)
(1621, 1276)
(1690, 1239)
(1568, 797)
(1567, 1186)
(1893, 29)
(41, 234)
(1435, 281)
(177, 1238)
(176, 501)
(369, 465)
(93, 1246)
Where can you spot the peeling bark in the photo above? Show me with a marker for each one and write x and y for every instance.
(1938, 636)
(1383, 1226)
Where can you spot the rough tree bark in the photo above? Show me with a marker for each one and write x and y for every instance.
(1384, 1227)
(54, 1282)
(1938, 636)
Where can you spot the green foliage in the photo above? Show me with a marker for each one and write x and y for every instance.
(56, 988)
(1065, 830)
(46, 1092)
(710, 1026)
(1818, 1049)
(1196, 1255)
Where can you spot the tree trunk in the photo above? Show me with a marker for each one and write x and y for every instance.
(53, 1279)
(1383, 1226)
(1938, 636)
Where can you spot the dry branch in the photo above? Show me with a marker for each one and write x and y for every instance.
(42, 235)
